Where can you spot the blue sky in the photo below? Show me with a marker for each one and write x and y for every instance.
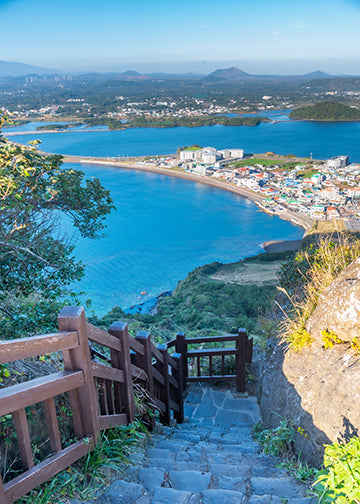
(262, 36)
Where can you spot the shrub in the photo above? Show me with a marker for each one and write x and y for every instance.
(306, 276)
(339, 481)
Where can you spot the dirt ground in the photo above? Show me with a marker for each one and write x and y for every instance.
(248, 273)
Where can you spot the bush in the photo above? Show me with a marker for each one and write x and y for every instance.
(339, 481)
(306, 276)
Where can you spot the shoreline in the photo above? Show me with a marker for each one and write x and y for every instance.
(298, 220)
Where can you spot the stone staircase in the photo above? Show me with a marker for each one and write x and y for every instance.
(212, 459)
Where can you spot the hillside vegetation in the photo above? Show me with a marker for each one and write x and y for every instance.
(326, 111)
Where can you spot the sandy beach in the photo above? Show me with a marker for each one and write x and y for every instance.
(281, 245)
(295, 218)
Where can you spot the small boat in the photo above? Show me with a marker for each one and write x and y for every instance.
(143, 293)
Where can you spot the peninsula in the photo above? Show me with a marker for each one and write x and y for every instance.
(301, 190)
(326, 111)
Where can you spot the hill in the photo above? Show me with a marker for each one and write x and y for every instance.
(326, 111)
(227, 74)
(9, 68)
(318, 74)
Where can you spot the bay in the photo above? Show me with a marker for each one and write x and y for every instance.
(162, 229)
(163, 226)
(282, 136)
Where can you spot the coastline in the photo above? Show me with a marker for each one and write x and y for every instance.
(296, 219)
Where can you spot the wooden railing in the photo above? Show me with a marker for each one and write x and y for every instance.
(208, 363)
(99, 380)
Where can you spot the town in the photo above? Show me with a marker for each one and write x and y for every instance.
(318, 190)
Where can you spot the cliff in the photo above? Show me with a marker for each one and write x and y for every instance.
(319, 387)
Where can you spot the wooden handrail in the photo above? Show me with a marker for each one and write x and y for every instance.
(242, 353)
(22, 348)
(99, 380)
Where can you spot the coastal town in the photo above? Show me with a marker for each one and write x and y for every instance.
(311, 189)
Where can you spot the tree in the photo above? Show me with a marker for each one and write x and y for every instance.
(37, 266)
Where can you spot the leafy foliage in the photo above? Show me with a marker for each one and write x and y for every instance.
(88, 476)
(339, 481)
(304, 277)
(36, 265)
(326, 111)
(279, 441)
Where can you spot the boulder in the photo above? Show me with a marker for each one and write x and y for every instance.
(338, 308)
(318, 388)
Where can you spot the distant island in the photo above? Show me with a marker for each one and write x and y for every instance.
(147, 121)
(57, 127)
(326, 111)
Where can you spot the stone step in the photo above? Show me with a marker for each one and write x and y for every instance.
(285, 488)
(164, 495)
(212, 459)
(223, 497)
(271, 499)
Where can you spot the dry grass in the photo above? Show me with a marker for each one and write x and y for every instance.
(325, 262)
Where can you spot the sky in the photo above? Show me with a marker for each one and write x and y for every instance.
(261, 36)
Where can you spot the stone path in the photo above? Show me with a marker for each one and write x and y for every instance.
(212, 459)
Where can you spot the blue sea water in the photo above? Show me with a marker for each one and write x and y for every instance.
(163, 226)
(282, 136)
(162, 229)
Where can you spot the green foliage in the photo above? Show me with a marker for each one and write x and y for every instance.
(148, 121)
(304, 277)
(299, 339)
(37, 267)
(326, 111)
(194, 147)
(339, 481)
(57, 127)
(88, 476)
(300, 470)
(279, 441)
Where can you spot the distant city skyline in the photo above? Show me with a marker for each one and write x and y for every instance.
(273, 37)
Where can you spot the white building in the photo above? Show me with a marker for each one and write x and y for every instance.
(199, 169)
(329, 194)
(337, 162)
(237, 153)
(191, 155)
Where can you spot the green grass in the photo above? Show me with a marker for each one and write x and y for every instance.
(89, 475)
(253, 161)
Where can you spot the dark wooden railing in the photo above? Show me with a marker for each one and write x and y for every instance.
(100, 371)
(205, 364)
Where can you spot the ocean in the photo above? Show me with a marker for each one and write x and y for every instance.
(164, 227)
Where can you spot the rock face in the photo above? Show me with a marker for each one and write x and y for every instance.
(338, 308)
(318, 388)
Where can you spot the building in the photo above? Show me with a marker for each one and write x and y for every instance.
(337, 162)
(191, 155)
(209, 155)
(237, 153)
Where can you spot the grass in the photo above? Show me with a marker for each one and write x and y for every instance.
(279, 442)
(253, 161)
(304, 278)
(85, 478)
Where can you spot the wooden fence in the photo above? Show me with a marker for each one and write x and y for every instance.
(208, 363)
(99, 381)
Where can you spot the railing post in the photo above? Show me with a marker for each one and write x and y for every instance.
(145, 363)
(179, 415)
(165, 390)
(240, 360)
(181, 348)
(3, 498)
(83, 400)
(124, 393)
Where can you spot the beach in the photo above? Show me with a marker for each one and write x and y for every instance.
(297, 219)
